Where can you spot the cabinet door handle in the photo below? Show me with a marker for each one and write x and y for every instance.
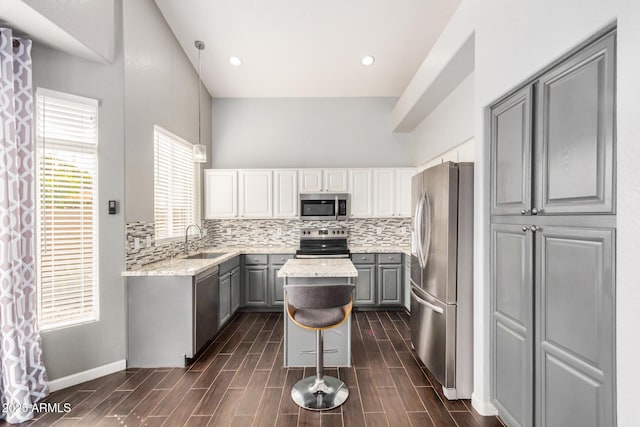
(524, 211)
(281, 259)
(533, 228)
(535, 211)
(525, 228)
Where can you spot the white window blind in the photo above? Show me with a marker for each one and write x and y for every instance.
(67, 206)
(176, 185)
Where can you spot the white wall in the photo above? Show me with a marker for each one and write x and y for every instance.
(306, 132)
(161, 87)
(449, 125)
(78, 348)
(515, 39)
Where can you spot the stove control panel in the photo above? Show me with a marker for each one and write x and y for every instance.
(324, 233)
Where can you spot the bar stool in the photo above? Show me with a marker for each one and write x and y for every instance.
(318, 307)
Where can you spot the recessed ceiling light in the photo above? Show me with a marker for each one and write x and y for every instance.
(235, 61)
(368, 60)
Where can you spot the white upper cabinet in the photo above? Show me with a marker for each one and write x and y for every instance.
(310, 180)
(285, 194)
(256, 193)
(384, 192)
(335, 180)
(220, 193)
(403, 191)
(361, 189)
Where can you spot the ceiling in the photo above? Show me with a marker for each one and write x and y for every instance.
(307, 48)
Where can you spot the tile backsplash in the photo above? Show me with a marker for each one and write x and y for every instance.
(262, 232)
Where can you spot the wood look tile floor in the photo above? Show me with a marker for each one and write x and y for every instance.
(238, 380)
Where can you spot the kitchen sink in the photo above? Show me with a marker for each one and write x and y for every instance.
(206, 255)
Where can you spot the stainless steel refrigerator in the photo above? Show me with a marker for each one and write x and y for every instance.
(442, 275)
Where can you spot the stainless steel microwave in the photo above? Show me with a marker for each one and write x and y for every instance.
(324, 206)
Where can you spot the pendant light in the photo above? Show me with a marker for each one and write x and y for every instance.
(199, 150)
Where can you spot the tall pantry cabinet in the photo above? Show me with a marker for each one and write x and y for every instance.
(553, 244)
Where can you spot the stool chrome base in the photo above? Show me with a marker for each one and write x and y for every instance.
(316, 395)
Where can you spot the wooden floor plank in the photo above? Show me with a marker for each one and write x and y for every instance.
(240, 380)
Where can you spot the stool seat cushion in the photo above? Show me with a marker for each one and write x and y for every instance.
(319, 317)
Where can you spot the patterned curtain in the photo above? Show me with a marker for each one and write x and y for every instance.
(23, 379)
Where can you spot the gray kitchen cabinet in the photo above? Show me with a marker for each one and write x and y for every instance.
(380, 280)
(575, 326)
(575, 133)
(229, 288)
(255, 285)
(365, 290)
(276, 284)
(225, 298)
(512, 323)
(511, 154)
(390, 284)
(235, 289)
(552, 274)
(170, 319)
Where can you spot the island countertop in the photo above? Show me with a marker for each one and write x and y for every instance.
(318, 267)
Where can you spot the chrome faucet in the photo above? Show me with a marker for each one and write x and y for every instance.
(186, 237)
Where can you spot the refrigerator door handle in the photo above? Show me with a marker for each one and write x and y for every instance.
(425, 240)
(418, 231)
(426, 303)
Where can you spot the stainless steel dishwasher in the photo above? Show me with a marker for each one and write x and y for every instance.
(206, 308)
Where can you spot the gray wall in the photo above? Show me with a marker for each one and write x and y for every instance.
(306, 132)
(78, 348)
(160, 88)
(449, 124)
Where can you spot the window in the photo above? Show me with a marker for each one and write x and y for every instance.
(176, 185)
(67, 209)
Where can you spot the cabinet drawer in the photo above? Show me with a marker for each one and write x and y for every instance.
(389, 258)
(227, 266)
(363, 258)
(279, 259)
(254, 259)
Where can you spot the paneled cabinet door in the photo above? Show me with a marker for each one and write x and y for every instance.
(335, 180)
(255, 285)
(225, 298)
(390, 284)
(575, 133)
(235, 289)
(575, 327)
(309, 180)
(256, 193)
(365, 291)
(403, 191)
(511, 155)
(384, 192)
(285, 196)
(512, 323)
(220, 193)
(361, 189)
(276, 286)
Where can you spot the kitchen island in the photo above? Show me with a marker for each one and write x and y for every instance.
(299, 343)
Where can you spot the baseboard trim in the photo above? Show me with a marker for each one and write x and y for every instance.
(88, 375)
(484, 408)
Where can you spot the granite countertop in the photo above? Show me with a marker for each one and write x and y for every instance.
(180, 266)
(380, 249)
(319, 267)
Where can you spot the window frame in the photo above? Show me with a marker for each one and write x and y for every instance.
(92, 149)
(196, 193)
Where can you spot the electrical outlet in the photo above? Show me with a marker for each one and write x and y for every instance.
(136, 243)
(148, 240)
(378, 230)
(403, 230)
(228, 232)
